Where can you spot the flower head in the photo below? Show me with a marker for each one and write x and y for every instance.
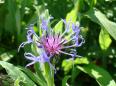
(52, 43)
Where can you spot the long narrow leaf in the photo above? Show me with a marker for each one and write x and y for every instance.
(100, 18)
(100, 75)
(15, 73)
(33, 76)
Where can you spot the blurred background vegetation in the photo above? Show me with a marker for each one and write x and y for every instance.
(98, 31)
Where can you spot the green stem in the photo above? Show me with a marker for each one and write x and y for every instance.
(49, 75)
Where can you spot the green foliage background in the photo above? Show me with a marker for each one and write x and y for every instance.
(98, 26)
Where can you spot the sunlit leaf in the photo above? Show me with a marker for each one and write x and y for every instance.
(100, 75)
(7, 55)
(17, 82)
(104, 39)
(39, 73)
(15, 72)
(49, 74)
(34, 77)
(72, 16)
(82, 60)
(100, 18)
(2, 1)
(58, 27)
(68, 63)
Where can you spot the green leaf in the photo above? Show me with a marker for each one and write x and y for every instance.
(64, 81)
(10, 23)
(75, 73)
(102, 77)
(91, 3)
(17, 81)
(104, 39)
(72, 15)
(15, 72)
(58, 27)
(82, 60)
(49, 74)
(68, 63)
(100, 18)
(34, 77)
(6, 56)
(18, 21)
(39, 74)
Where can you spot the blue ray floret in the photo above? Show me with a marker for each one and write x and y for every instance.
(51, 43)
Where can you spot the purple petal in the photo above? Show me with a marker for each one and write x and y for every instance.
(67, 25)
(73, 52)
(31, 57)
(22, 45)
(30, 63)
(77, 42)
(76, 29)
(39, 45)
(30, 32)
(44, 24)
(44, 57)
(82, 41)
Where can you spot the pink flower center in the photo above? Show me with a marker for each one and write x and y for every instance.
(52, 44)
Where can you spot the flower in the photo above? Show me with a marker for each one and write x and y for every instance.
(42, 58)
(52, 43)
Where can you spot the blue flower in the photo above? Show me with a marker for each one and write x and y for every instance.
(51, 43)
